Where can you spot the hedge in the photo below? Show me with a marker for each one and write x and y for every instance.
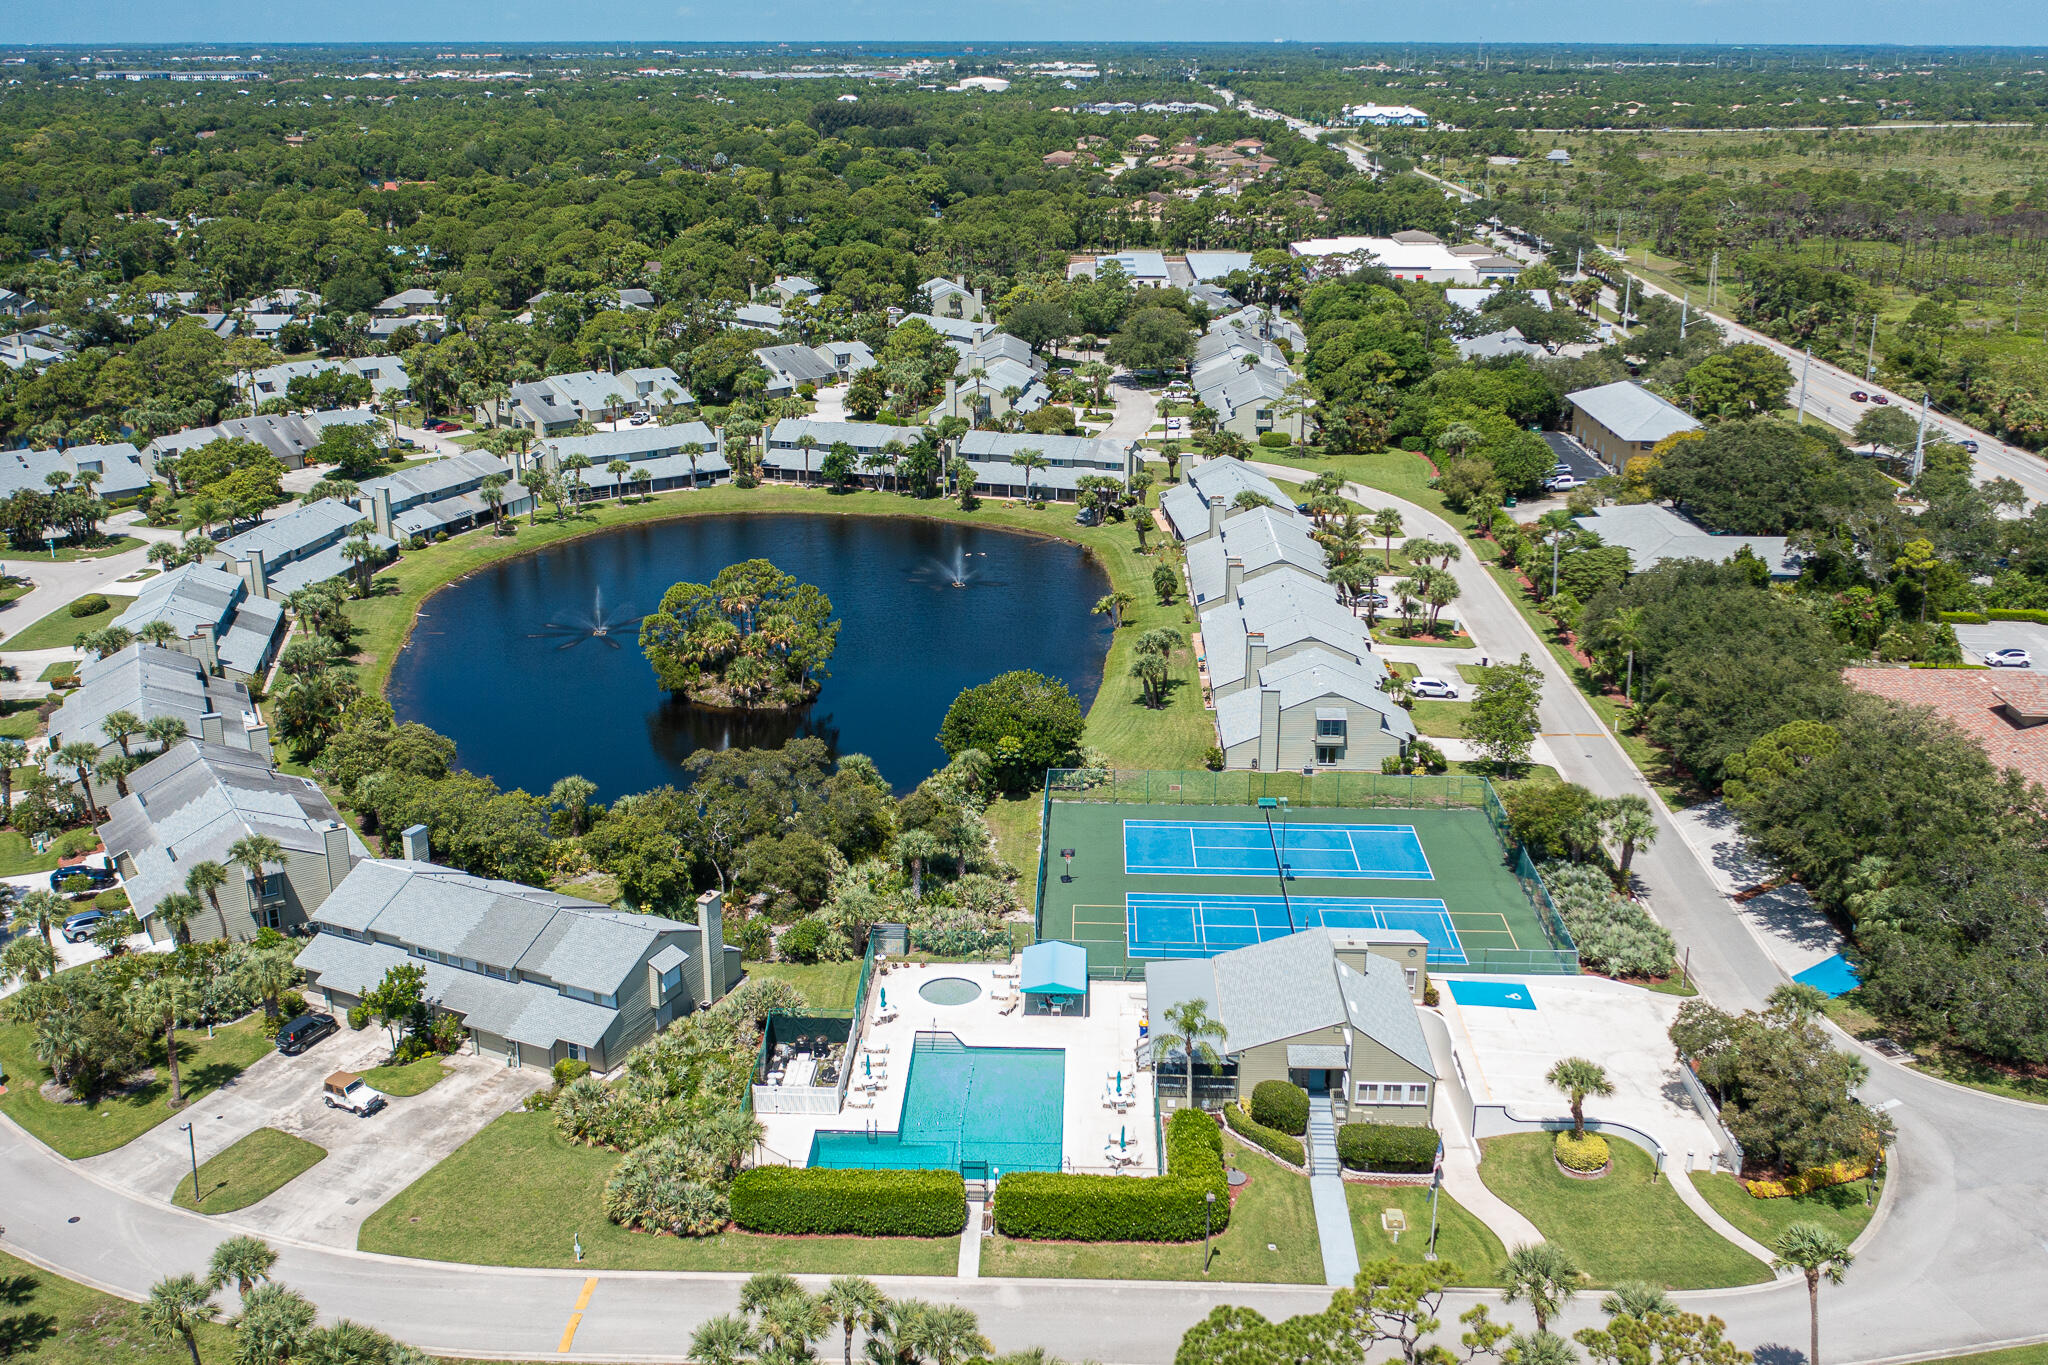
(92, 604)
(795, 1199)
(1393, 1148)
(1979, 618)
(1287, 1148)
(1582, 1154)
(1280, 1105)
(1113, 1208)
(1813, 1178)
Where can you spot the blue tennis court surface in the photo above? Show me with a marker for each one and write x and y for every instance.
(1507, 995)
(1202, 926)
(1216, 848)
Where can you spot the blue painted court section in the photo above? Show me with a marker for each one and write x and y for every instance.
(1215, 848)
(1833, 975)
(1507, 995)
(1162, 925)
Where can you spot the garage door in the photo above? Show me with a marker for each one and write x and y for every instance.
(491, 1045)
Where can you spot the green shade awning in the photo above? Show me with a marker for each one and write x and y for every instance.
(1054, 968)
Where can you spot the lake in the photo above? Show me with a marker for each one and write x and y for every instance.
(506, 662)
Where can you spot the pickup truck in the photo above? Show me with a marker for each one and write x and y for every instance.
(346, 1090)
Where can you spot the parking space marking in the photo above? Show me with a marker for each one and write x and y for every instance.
(576, 1317)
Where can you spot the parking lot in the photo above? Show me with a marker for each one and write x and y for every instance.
(368, 1159)
(1977, 641)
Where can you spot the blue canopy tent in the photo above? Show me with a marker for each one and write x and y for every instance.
(1054, 978)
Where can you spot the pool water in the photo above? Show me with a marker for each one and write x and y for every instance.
(950, 990)
(965, 1107)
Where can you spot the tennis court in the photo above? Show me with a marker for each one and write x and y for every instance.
(1209, 848)
(1165, 925)
(1153, 878)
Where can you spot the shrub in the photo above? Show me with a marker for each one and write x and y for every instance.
(654, 1188)
(116, 899)
(1280, 1105)
(78, 841)
(1212, 759)
(92, 604)
(1963, 618)
(1586, 1154)
(1111, 1208)
(1393, 1148)
(1614, 935)
(804, 941)
(1811, 1179)
(570, 1069)
(1279, 1144)
(793, 1199)
(1274, 440)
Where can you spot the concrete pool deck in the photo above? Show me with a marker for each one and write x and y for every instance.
(1096, 1045)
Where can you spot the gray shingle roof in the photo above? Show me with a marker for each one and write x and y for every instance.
(119, 466)
(149, 681)
(297, 534)
(1631, 411)
(1653, 533)
(1377, 1003)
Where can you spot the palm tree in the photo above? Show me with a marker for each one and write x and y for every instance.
(175, 912)
(160, 1005)
(619, 469)
(82, 756)
(1813, 1251)
(574, 467)
(1407, 595)
(273, 1326)
(44, 909)
(1458, 438)
(121, 726)
(855, 1301)
(270, 973)
(26, 959)
(492, 491)
(1028, 458)
(241, 1262)
(164, 731)
(346, 1343)
(1578, 1078)
(1113, 605)
(175, 1308)
(791, 1322)
(1545, 1275)
(1386, 524)
(1540, 1348)
(1628, 819)
(944, 1334)
(723, 1340)
(1186, 1028)
(255, 853)
(206, 879)
(13, 754)
(1635, 1299)
(807, 443)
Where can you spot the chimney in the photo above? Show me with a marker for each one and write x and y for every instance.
(1269, 728)
(952, 397)
(711, 946)
(259, 742)
(201, 646)
(212, 728)
(1233, 577)
(1254, 656)
(380, 509)
(414, 841)
(334, 843)
(976, 294)
(1215, 514)
(255, 573)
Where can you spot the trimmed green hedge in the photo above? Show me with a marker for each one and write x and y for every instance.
(1280, 1105)
(1113, 1208)
(795, 1199)
(1279, 1144)
(1978, 618)
(1964, 618)
(1394, 1148)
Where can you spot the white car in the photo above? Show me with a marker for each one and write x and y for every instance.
(2008, 658)
(1562, 483)
(1173, 424)
(1433, 687)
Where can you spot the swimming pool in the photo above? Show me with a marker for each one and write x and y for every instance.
(965, 1108)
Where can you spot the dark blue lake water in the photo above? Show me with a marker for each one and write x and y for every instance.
(505, 662)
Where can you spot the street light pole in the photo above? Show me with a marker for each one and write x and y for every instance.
(1436, 1181)
(1804, 370)
(1208, 1207)
(192, 1145)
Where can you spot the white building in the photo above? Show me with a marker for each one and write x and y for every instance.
(1407, 256)
(1385, 116)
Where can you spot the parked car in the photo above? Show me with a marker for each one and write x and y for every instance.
(1087, 516)
(78, 928)
(444, 427)
(1173, 424)
(2008, 658)
(1433, 687)
(1858, 396)
(98, 876)
(346, 1090)
(1562, 483)
(1880, 400)
(301, 1033)
(640, 419)
(1302, 508)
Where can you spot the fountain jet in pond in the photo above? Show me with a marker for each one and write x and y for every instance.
(600, 625)
(957, 573)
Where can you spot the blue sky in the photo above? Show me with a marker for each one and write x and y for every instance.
(1964, 22)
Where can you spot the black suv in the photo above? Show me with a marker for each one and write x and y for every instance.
(304, 1031)
(98, 876)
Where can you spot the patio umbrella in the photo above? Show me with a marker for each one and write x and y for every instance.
(867, 1066)
(1119, 1081)
(1121, 1143)
(885, 997)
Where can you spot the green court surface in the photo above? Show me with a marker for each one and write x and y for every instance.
(1497, 925)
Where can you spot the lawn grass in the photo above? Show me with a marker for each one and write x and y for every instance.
(413, 1078)
(63, 668)
(1013, 819)
(826, 985)
(18, 856)
(1931, 1058)
(1621, 1227)
(18, 719)
(518, 1194)
(252, 1168)
(78, 1130)
(1839, 1208)
(113, 545)
(1461, 1238)
(1271, 1208)
(60, 629)
(1440, 719)
(50, 1320)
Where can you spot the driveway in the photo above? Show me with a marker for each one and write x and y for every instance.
(1977, 641)
(368, 1160)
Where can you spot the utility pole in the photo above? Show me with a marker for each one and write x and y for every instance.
(1804, 370)
(1714, 278)
(1684, 313)
(1870, 360)
(1627, 294)
(1920, 442)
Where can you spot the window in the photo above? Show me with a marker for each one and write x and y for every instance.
(671, 979)
(574, 1052)
(1329, 728)
(1418, 1094)
(1368, 1092)
(1411, 978)
(1326, 753)
(273, 917)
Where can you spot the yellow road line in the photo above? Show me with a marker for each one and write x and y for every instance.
(576, 1317)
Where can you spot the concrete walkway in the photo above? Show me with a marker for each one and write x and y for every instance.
(1326, 1189)
(970, 1242)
